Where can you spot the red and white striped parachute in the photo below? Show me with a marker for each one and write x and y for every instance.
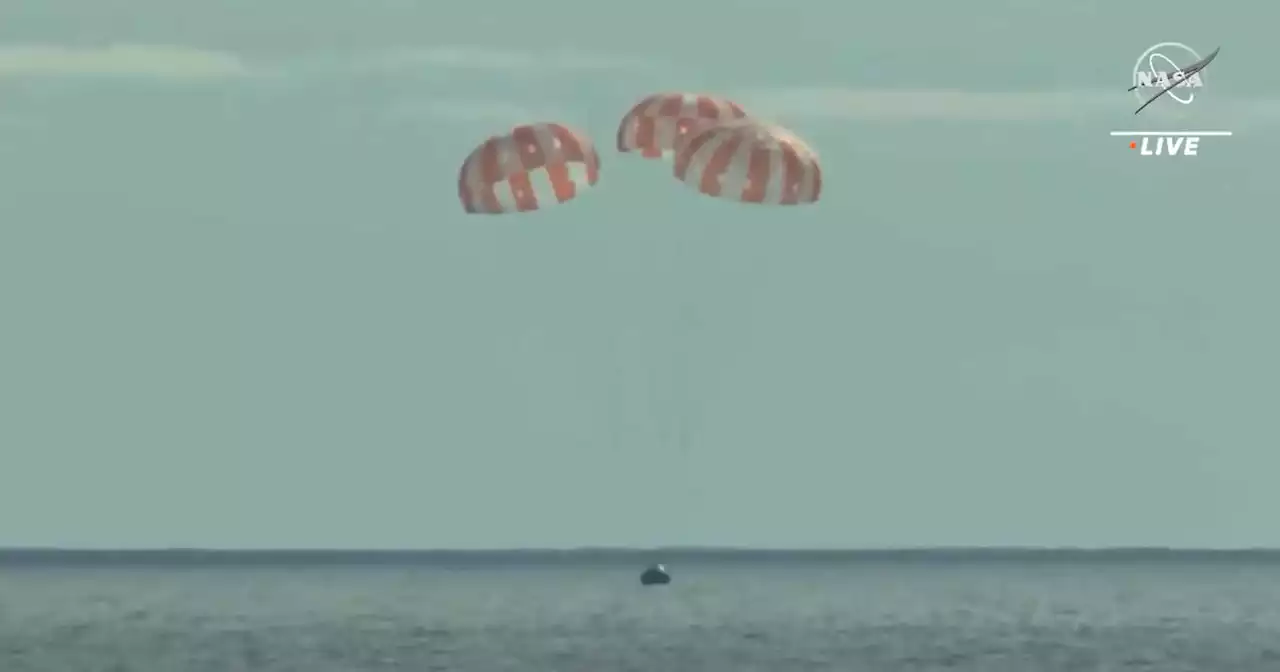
(528, 168)
(657, 124)
(752, 162)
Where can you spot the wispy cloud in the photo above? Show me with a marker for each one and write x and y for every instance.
(462, 111)
(487, 58)
(122, 60)
(935, 104)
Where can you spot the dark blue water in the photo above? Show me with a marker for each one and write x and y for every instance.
(1011, 611)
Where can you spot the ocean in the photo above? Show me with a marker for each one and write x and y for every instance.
(586, 612)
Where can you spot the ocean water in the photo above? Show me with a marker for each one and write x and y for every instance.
(853, 615)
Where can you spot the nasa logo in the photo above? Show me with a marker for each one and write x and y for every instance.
(1161, 67)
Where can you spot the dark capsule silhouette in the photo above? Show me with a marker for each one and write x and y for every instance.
(655, 576)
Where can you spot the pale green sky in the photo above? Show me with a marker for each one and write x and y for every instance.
(240, 304)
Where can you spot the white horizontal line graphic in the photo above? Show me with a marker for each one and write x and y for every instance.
(1173, 133)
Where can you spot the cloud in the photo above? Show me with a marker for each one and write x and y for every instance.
(948, 105)
(485, 58)
(122, 60)
(493, 112)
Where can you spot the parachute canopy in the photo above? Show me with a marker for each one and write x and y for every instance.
(528, 168)
(659, 123)
(752, 162)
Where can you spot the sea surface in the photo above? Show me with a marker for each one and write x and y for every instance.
(914, 612)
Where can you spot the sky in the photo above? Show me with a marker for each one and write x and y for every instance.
(241, 306)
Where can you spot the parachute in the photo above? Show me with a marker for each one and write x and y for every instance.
(528, 168)
(718, 149)
(657, 124)
(752, 162)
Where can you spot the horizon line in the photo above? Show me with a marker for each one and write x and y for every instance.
(481, 559)
(498, 550)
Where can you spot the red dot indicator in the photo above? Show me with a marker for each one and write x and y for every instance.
(1133, 145)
